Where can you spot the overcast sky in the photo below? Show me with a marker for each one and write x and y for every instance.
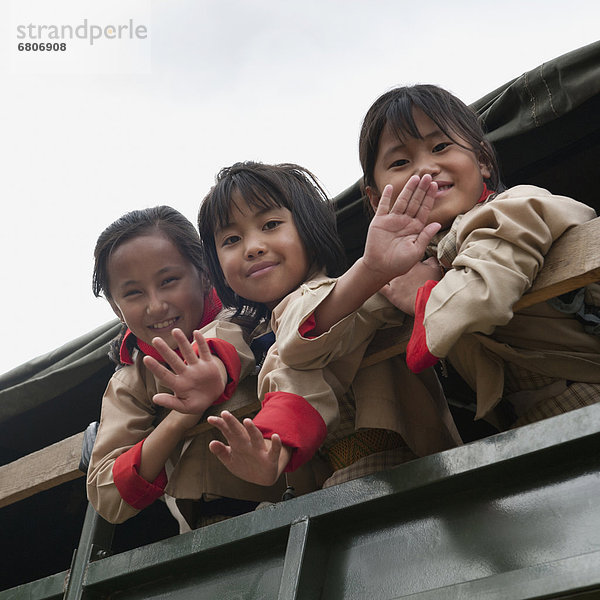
(123, 124)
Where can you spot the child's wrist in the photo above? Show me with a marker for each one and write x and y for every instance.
(370, 276)
(179, 422)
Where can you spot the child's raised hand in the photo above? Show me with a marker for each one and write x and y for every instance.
(196, 380)
(249, 456)
(398, 236)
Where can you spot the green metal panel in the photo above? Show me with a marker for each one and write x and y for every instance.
(49, 588)
(511, 516)
(516, 515)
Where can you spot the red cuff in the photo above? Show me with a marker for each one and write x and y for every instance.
(418, 357)
(134, 489)
(297, 423)
(306, 327)
(227, 353)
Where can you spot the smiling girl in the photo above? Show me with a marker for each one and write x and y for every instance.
(525, 365)
(149, 265)
(274, 255)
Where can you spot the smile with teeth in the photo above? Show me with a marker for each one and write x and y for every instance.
(164, 324)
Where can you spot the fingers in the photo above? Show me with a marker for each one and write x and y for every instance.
(242, 435)
(169, 401)
(220, 450)
(383, 208)
(432, 261)
(403, 201)
(276, 447)
(233, 431)
(160, 371)
(170, 356)
(425, 236)
(204, 352)
(387, 292)
(187, 352)
(427, 202)
(254, 433)
(417, 196)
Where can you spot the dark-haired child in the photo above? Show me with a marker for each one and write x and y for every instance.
(274, 256)
(530, 364)
(150, 267)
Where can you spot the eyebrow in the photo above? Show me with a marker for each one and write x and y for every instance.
(259, 212)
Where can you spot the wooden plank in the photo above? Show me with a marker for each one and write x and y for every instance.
(572, 262)
(41, 470)
(386, 343)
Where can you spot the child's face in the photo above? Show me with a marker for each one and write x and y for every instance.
(154, 288)
(261, 254)
(457, 171)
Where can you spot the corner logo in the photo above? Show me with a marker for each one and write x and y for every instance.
(85, 31)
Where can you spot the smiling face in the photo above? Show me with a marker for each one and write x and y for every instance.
(457, 170)
(260, 253)
(154, 289)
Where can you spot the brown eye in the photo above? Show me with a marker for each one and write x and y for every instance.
(441, 146)
(399, 163)
(232, 239)
(271, 224)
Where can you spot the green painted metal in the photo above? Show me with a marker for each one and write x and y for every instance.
(95, 543)
(512, 516)
(294, 559)
(516, 515)
(49, 588)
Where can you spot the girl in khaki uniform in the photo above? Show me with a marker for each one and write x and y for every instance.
(273, 254)
(537, 362)
(150, 267)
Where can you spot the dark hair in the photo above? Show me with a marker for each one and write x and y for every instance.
(451, 115)
(160, 219)
(259, 185)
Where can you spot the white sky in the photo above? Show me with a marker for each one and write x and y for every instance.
(224, 80)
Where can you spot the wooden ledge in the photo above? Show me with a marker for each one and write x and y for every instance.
(572, 262)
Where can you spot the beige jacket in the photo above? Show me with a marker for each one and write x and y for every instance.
(128, 416)
(499, 248)
(325, 369)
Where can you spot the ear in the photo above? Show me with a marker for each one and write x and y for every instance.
(374, 196)
(116, 310)
(483, 166)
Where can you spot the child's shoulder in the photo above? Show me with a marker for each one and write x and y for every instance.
(313, 291)
(524, 190)
(538, 196)
(526, 203)
(132, 377)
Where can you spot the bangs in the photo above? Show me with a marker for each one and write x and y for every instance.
(400, 120)
(236, 192)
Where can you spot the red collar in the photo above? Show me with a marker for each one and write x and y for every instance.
(212, 307)
(485, 194)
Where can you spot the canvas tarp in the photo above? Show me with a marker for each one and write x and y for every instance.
(55, 373)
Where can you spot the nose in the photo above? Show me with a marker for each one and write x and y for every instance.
(427, 165)
(255, 246)
(156, 304)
